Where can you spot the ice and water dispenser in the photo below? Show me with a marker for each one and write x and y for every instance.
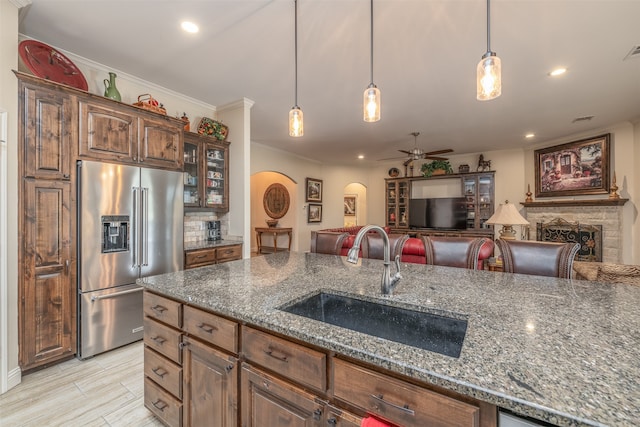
(115, 233)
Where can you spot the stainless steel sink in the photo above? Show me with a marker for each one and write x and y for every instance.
(428, 331)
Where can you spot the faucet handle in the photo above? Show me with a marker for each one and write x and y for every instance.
(397, 262)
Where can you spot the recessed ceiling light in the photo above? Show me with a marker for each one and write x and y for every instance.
(558, 72)
(361, 156)
(189, 27)
(530, 135)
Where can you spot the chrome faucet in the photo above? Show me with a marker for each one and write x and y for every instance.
(388, 282)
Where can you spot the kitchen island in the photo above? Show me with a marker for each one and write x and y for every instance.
(557, 350)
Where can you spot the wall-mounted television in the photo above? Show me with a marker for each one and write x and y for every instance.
(445, 213)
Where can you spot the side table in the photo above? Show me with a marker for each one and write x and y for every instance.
(273, 231)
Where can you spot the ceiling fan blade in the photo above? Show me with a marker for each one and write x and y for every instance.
(409, 160)
(448, 150)
(434, 157)
(407, 152)
(393, 158)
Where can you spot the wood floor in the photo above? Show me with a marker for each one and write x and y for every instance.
(106, 390)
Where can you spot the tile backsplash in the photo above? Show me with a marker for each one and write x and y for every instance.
(195, 225)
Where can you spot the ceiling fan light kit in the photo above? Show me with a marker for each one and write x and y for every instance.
(489, 70)
(296, 123)
(371, 104)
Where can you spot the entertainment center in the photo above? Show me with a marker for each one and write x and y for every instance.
(446, 205)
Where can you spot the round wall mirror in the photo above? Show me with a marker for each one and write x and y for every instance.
(276, 201)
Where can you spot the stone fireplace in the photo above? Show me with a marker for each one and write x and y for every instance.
(591, 215)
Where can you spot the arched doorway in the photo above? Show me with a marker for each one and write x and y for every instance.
(355, 204)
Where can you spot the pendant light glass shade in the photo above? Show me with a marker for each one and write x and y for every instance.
(489, 82)
(371, 103)
(489, 71)
(296, 124)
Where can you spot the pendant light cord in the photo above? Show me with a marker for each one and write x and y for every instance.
(296, 53)
(372, 42)
(488, 29)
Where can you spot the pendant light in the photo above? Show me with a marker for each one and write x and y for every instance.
(296, 123)
(371, 93)
(489, 84)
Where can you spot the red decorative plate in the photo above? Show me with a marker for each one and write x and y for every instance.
(47, 63)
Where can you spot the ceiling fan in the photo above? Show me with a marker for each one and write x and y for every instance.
(418, 153)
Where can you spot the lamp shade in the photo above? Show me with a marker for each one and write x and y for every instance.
(507, 214)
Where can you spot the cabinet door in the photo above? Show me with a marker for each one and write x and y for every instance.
(193, 180)
(267, 401)
(217, 177)
(46, 132)
(48, 327)
(210, 386)
(161, 144)
(107, 134)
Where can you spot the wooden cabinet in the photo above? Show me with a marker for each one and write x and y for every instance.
(206, 173)
(47, 291)
(208, 256)
(397, 194)
(163, 381)
(46, 284)
(269, 401)
(245, 376)
(210, 386)
(476, 187)
(46, 132)
(117, 133)
(398, 401)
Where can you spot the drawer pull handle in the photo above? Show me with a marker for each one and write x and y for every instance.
(207, 328)
(404, 408)
(201, 256)
(160, 309)
(159, 372)
(160, 405)
(159, 340)
(183, 345)
(317, 414)
(228, 368)
(278, 356)
(332, 421)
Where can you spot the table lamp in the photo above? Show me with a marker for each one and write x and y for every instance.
(507, 215)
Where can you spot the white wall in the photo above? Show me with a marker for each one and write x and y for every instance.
(10, 375)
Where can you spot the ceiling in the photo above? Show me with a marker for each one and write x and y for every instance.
(425, 57)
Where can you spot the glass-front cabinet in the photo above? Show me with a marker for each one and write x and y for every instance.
(478, 189)
(397, 196)
(206, 173)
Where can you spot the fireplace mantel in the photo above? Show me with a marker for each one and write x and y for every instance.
(585, 202)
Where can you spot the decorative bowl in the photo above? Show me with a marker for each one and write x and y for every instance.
(272, 222)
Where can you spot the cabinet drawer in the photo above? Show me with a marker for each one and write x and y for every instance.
(211, 328)
(163, 371)
(163, 309)
(199, 258)
(399, 402)
(229, 253)
(162, 404)
(162, 339)
(291, 360)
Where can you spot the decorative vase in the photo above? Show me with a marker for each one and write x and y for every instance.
(110, 89)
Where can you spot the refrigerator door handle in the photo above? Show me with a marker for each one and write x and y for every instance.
(145, 226)
(116, 294)
(134, 232)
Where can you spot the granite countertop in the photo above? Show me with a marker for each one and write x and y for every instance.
(563, 351)
(206, 244)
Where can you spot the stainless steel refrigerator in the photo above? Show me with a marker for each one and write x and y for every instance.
(130, 225)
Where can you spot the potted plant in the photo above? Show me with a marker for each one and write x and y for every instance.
(436, 167)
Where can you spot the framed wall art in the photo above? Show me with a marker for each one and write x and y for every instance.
(314, 213)
(314, 190)
(573, 169)
(350, 205)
